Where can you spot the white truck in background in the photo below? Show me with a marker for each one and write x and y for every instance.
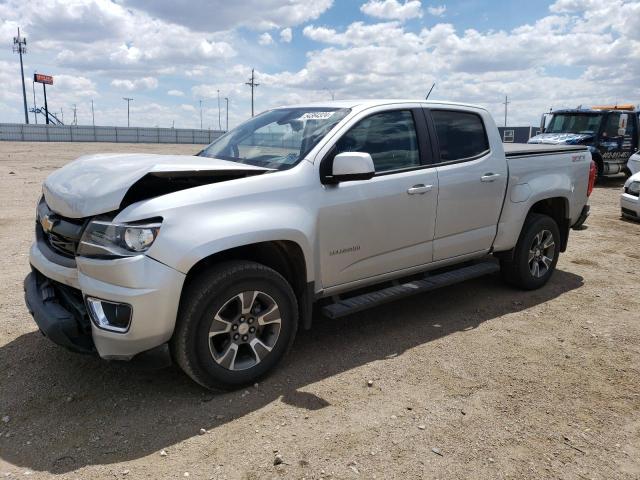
(341, 205)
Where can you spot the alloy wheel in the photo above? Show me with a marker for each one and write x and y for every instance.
(541, 253)
(244, 330)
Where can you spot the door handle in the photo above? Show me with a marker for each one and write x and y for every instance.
(489, 177)
(420, 189)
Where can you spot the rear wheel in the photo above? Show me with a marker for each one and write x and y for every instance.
(536, 253)
(236, 322)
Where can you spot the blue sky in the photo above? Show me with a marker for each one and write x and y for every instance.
(170, 55)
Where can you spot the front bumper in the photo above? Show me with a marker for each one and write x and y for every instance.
(151, 288)
(59, 312)
(630, 206)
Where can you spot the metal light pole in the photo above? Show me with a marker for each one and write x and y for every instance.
(129, 100)
(200, 114)
(219, 122)
(20, 47)
(35, 114)
(226, 99)
(93, 116)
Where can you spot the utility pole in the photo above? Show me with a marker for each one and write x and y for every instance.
(200, 114)
(226, 129)
(219, 122)
(35, 114)
(75, 115)
(252, 83)
(128, 100)
(20, 47)
(93, 115)
(506, 109)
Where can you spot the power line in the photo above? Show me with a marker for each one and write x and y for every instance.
(252, 83)
(128, 100)
(20, 47)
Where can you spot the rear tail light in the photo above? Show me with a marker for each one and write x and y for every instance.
(593, 173)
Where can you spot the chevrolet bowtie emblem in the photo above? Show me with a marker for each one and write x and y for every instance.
(47, 223)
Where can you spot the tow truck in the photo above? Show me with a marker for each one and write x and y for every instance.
(609, 131)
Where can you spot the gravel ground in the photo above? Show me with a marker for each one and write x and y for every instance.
(475, 381)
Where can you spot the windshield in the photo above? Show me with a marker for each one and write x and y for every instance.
(276, 139)
(574, 123)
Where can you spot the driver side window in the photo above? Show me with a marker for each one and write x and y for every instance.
(612, 125)
(389, 137)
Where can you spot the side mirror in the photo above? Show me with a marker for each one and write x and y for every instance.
(350, 166)
(543, 122)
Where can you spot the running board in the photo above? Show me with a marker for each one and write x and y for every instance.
(430, 282)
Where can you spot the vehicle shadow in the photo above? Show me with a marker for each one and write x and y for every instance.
(614, 182)
(68, 411)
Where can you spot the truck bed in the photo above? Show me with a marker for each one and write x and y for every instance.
(526, 149)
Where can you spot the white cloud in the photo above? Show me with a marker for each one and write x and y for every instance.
(103, 35)
(581, 51)
(144, 83)
(286, 35)
(393, 9)
(389, 60)
(175, 93)
(80, 86)
(265, 39)
(438, 11)
(204, 15)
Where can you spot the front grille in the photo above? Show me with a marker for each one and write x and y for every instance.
(62, 245)
(60, 233)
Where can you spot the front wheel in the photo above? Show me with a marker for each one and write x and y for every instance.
(536, 253)
(236, 322)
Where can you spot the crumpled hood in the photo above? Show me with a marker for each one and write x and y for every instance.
(561, 138)
(95, 184)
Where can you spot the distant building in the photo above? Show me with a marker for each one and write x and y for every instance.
(518, 134)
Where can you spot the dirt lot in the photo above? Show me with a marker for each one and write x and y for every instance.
(474, 381)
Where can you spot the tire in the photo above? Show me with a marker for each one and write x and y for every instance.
(239, 303)
(520, 270)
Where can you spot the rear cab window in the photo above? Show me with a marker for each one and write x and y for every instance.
(461, 135)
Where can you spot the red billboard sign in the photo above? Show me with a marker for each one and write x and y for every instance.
(41, 78)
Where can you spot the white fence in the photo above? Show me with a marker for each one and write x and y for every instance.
(19, 132)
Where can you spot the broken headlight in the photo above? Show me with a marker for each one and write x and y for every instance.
(103, 238)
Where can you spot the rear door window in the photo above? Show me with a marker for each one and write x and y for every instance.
(461, 135)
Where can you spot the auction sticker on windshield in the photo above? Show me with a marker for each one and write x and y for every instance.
(317, 115)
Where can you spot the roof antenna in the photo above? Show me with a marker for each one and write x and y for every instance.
(431, 90)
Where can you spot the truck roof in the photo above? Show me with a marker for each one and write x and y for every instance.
(373, 102)
(593, 110)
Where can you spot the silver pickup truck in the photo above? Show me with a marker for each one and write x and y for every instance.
(339, 206)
